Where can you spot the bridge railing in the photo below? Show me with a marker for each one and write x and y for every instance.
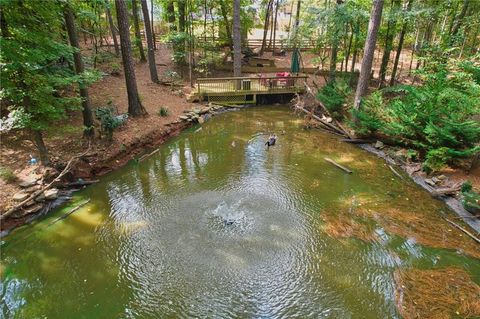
(248, 85)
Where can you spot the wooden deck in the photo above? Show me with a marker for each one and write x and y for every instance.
(245, 89)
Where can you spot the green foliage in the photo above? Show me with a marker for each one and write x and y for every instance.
(7, 175)
(466, 187)
(436, 117)
(333, 96)
(109, 121)
(163, 111)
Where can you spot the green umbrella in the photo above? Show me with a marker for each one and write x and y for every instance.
(295, 68)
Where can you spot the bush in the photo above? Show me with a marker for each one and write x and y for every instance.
(436, 118)
(7, 175)
(334, 95)
(163, 111)
(108, 120)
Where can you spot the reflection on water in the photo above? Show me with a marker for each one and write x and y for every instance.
(217, 225)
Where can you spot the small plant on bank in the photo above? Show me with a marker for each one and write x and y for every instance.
(471, 199)
(109, 121)
(7, 175)
(163, 112)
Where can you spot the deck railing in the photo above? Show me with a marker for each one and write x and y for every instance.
(251, 85)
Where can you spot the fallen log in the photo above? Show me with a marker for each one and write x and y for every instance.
(355, 140)
(464, 230)
(338, 165)
(325, 123)
(40, 191)
(69, 212)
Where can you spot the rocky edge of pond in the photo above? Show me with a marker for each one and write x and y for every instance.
(42, 190)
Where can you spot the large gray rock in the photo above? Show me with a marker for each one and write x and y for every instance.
(20, 196)
(28, 182)
(51, 193)
(379, 145)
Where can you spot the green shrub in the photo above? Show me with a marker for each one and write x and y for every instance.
(108, 120)
(436, 118)
(7, 175)
(163, 111)
(334, 95)
(466, 187)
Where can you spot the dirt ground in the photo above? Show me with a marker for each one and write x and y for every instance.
(65, 141)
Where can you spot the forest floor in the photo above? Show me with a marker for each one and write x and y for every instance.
(65, 141)
(134, 137)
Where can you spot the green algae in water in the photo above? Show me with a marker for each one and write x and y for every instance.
(153, 241)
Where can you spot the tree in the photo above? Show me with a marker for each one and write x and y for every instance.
(400, 43)
(265, 27)
(337, 22)
(151, 49)
(369, 50)
(79, 69)
(237, 40)
(388, 41)
(112, 28)
(136, 26)
(135, 107)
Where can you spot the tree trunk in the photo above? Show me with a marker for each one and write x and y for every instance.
(136, 26)
(335, 41)
(181, 15)
(42, 149)
(355, 51)
(135, 107)
(237, 40)
(171, 16)
(400, 43)
(349, 48)
(112, 28)
(265, 26)
(151, 50)
(275, 28)
(458, 22)
(388, 42)
(79, 69)
(369, 50)
(227, 23)
(153, 27)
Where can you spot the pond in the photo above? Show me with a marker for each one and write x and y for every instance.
(217, 225)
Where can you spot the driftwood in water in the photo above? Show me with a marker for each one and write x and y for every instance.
(395, 172)
(329, 126)
(446, 191)
(355, 140)
(464, 230)
(71, 211)
(338, 165)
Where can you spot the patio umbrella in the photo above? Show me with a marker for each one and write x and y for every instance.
(295, 67)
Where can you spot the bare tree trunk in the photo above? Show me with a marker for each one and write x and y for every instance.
(349, 48)
(275, 28)
(135, 106)
(136, 26)
(112, 28)
(388, 42)
(272, 18)
(355, 51)
(369, 50)
(265, 26)
(79, 69)
(400, 44)
(335, 40)
(151, 51)
(237, 40)
(42, 149)
(153, 27)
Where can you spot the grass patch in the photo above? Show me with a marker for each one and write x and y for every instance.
(7, 175)
(164, 111)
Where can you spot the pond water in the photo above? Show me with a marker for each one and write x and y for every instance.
(217, 225)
